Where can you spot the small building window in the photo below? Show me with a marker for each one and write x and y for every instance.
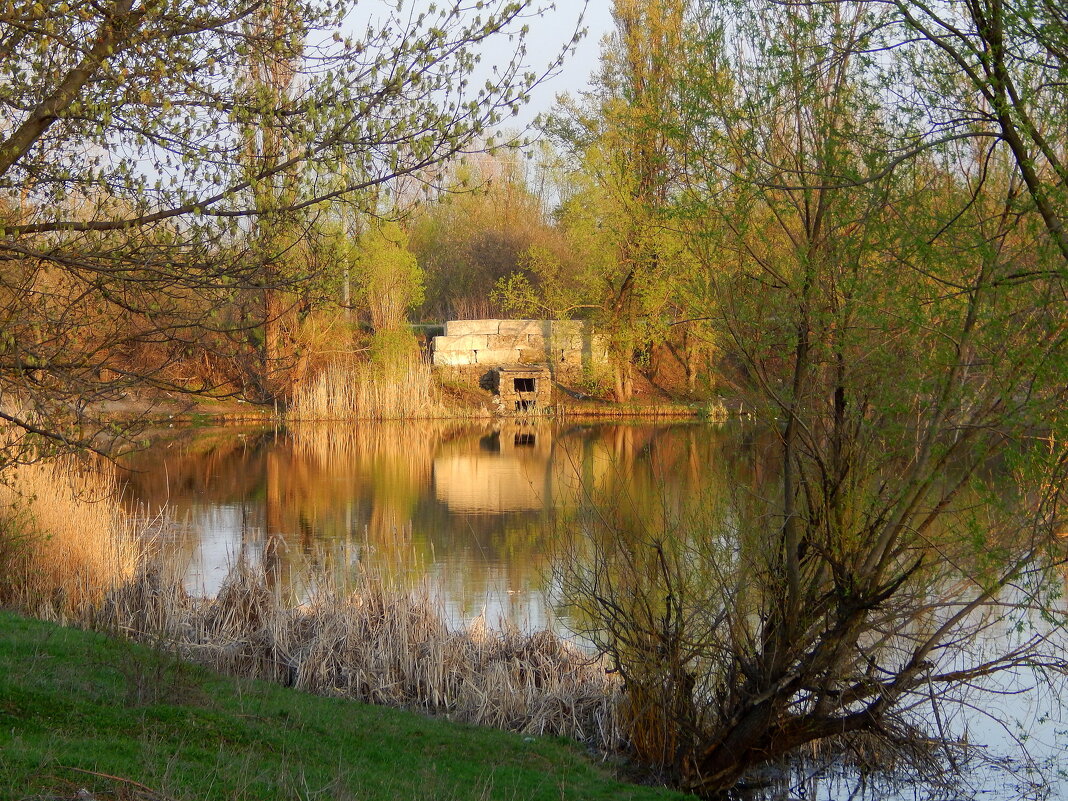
(524, 384)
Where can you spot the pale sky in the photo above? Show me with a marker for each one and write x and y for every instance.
(547, 36)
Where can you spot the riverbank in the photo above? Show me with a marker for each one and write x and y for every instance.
(412, 389)
(159, 413)
(91, 717)
(364, 560)
(463, 403)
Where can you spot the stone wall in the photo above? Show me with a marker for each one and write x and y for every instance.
(560, 344)
(523, 388)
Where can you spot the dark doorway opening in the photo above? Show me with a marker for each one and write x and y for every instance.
(524, 384)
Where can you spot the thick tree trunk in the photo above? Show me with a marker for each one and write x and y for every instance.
(623, 379)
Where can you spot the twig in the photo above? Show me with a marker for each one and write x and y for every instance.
(144, 787)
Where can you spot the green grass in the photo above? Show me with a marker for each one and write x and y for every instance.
(75, 704)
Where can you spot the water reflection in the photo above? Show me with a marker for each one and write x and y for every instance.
(470, 509)
(508, 472)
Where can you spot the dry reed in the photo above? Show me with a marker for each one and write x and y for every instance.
(64, 539)
(715, 411)
(380, 646)
(72, 552)
(347, 390)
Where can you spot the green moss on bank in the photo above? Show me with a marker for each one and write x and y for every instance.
(75, 704)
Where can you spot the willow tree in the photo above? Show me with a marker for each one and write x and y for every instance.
(126, 198)
(902, 341)
(647, 56)
(389, 280)
(994, 69)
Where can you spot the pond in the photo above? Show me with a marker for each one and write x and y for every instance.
(473, 510)
(476, 512)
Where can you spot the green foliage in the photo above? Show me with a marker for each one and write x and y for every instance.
(623, 166)
(164, 166)
(550, 286)
(516, 295)
(393, 347)
(896, 325)
(476, 235)
(991, 70)
(335, 254)
(17, 536)
(388, 277)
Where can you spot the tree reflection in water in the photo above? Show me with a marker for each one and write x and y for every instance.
(479, 513)
(466, 508)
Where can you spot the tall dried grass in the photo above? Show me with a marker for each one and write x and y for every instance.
(68, 550)
(349, 390)
(380, 646)
(64, 538)
(714, 410)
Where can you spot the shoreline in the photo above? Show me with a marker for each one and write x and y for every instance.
(203, 411)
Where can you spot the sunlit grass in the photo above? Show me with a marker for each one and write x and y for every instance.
(95, 717)
(72, 553)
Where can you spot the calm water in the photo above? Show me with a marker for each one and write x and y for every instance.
(476, 512)
(470, 509)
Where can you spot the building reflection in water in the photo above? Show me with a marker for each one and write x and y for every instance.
(509, 471)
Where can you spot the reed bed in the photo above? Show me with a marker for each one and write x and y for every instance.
(715, 411)
(69, 551)
(376, 645)
(65, 541)
(348, 390)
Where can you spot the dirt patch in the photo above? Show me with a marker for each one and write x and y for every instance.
(163, 407)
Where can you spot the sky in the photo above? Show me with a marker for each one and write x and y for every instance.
(547, 36)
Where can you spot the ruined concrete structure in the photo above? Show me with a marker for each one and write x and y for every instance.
(560, 344)
(519, 360)
(523, 388)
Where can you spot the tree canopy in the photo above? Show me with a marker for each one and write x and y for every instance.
(138, 142)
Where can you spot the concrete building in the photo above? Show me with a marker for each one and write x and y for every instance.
(519, 360)
(562, 345)
(523, 388)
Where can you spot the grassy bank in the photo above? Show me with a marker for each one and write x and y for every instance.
(79, 710)
(343, 635)
(66, 554)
